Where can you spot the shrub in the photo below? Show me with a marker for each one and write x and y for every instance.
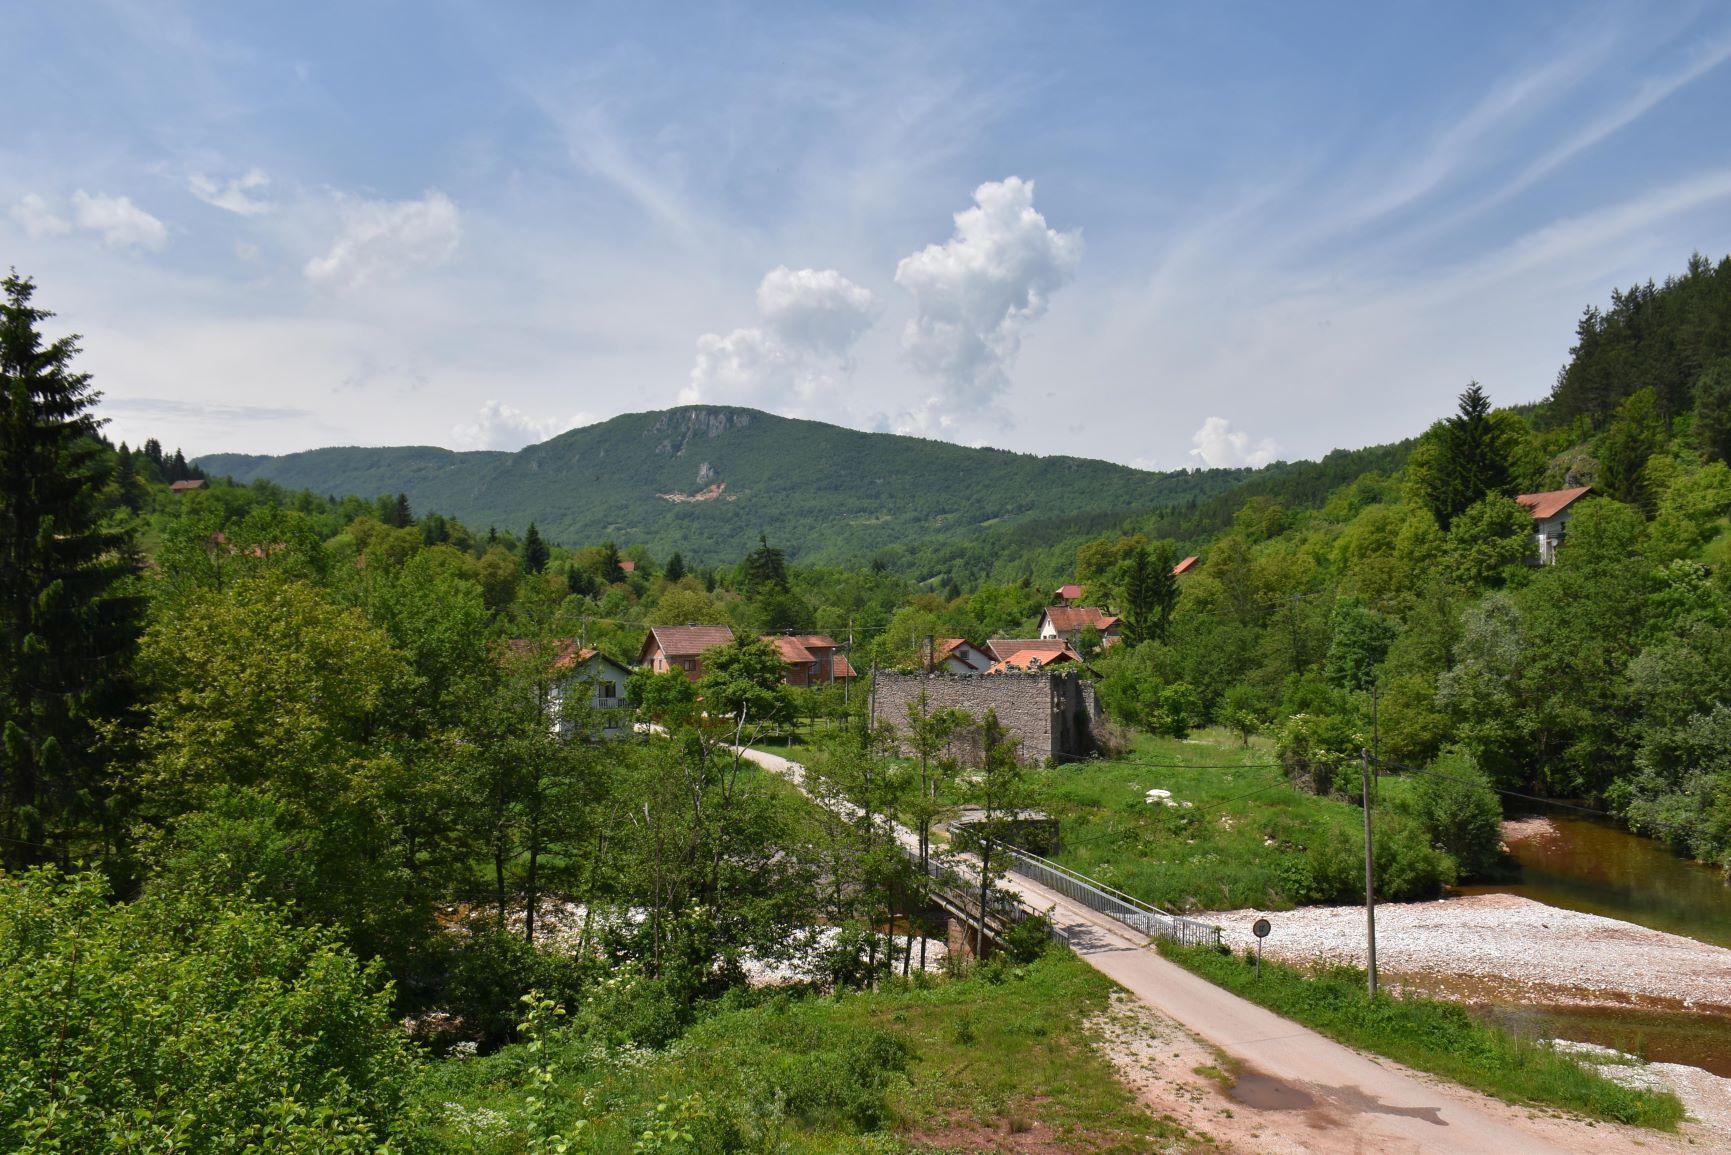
(187, 1021)
(1460, 812)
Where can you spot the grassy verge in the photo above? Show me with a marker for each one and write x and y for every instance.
(946, 1063)
(1441, 1038)
(1243, 841)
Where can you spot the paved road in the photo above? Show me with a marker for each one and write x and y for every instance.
(1315, 1093)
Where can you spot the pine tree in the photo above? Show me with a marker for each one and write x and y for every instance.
(153, 453)
(765, 569)
(1150, 593)
(611, 570)
(128, 488)
(675, 568)
(68, 622)
(176, 469)
(1475, 457)
(535, 551)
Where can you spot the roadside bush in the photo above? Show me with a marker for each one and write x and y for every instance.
(1028, 939)
(1460, 812)
(190, 1022)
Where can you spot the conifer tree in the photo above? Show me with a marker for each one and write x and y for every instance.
(535, 551)
(611, 570)
(675, 568)
(68, 621)
(1475, 458)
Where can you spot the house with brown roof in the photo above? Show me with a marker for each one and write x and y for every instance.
(681, 648)
(959, 656)
(811, 659)
(185, 486)
(1068, 622)
(1186, 566)
(1551, 513)
(1069, 593)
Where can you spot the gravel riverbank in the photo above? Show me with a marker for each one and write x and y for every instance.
(1502, 948)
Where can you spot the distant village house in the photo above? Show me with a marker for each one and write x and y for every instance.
(1551, 513)
(811, 659)
(1068, 622)
(681, 648)
(185, 486)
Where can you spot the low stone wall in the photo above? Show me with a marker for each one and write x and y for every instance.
(1050, 715)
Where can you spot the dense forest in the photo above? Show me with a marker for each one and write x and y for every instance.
(279, 776)
(707, 480)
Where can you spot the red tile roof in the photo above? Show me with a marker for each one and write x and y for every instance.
(1000, 648)
(183, 486)
(1025, 660)
(1186, 565)
(1070, 591)
(688, 641)
(566, 652)
(815, 641)
(789, 648)
(628, 566)
(1065, 619)
(1550, 504)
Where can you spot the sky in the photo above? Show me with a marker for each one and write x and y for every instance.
(1171, 235)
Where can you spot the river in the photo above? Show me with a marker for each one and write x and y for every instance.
(1595, 866)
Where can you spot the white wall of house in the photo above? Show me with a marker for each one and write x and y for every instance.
(1549, 534)
(605, 683)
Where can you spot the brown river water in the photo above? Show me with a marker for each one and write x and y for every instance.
(1589, 865)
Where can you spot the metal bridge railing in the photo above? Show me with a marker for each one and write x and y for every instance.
(1108, 900)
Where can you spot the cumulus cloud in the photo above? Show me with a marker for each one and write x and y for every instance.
(385, 237)
(500, 426)
(977, 293)
(1218, 445)
(33, 215)
(121, 223)
(233, 195)
(801, 351)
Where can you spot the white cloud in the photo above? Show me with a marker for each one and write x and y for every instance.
(500, 426)
(38, 220)
(799, 355)
(383, 237)
(976, 294)
(121, 223)
(232, 195)
(1218, 445)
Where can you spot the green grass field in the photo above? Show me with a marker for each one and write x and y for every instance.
(959, 1063)
(1242, 841)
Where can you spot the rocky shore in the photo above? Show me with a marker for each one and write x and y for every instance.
(1502, 948)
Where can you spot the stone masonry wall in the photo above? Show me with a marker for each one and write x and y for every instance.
(1049, 714)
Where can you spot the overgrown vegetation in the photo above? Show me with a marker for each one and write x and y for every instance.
(1441, 1038)
(942, 1062)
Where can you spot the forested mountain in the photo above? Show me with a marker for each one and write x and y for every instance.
(707, 480)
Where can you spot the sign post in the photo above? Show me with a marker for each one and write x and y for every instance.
(1260, 929)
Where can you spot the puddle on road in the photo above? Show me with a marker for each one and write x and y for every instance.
(1266, 1094)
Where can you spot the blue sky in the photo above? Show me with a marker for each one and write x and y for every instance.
(1167, 235)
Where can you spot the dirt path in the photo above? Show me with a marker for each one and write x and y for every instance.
(1309, 1092)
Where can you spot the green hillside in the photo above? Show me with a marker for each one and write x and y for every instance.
(708, 480)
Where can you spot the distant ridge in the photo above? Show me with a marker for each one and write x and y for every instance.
(707, 480)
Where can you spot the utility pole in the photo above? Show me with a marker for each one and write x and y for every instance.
(845, 681)
(1369, 877)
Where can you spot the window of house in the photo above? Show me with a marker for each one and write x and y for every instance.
(609, 690)
(690, 663)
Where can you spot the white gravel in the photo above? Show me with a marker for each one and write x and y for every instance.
(1502, 947)
(1705, 1096)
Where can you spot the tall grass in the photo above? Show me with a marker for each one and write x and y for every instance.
(1430, 1036)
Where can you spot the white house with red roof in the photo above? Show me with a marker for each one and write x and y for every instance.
(1551, 513)
(574, 666)
(1068, 622)
(1003, 649)
(1069, 593)
(959, 656)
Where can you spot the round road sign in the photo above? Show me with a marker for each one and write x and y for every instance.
(1260, 928)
